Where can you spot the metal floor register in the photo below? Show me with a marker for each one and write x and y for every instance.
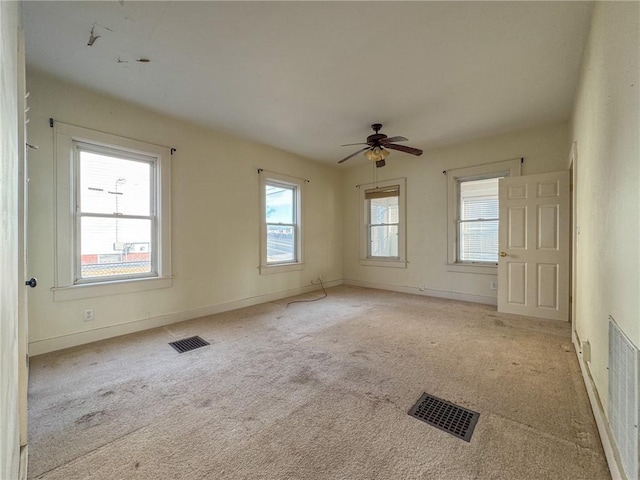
(446, 416)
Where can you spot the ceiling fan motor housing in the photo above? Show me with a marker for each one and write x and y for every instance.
(375, 138)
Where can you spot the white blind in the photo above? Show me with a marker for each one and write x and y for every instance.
(478, 221)
(480, 208)
(391, 191)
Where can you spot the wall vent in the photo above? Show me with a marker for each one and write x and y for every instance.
(623, 397)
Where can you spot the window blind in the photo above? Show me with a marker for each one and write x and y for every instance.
(478, 222)
(480, 208)
(385, 192)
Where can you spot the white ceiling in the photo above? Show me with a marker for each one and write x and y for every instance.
(309, 76)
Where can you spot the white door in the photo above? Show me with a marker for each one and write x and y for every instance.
(23, 272)
(533, 267)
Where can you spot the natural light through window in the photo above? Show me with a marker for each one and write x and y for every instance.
(113, 214)
(383, 222)
(115, 221)
(473, 215)
(281, 228)
(478, 221)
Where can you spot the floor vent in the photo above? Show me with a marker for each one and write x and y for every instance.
(188, 344)
(446, 416)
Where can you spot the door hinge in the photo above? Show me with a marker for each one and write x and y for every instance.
(570, 299)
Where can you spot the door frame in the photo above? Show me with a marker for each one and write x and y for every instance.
(573, 241)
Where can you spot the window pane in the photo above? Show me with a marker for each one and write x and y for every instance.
(383, 241)
(281, 244)
(383, 210)
(484, 208)
(114, 185)
(479, 199)
(478, 228)
(114, 246)
(479, 241)
(280, 204)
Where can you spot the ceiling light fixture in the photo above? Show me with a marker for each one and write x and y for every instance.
(376, 154)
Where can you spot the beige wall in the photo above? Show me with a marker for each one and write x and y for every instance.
(215, 220)
(9, 163)
(545, 150)
(606, 128)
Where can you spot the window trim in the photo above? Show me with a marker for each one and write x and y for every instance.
(65, 286)
(272, 178)
(508, 168)
(394, 262)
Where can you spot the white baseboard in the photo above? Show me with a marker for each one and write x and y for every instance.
(38, 347)
(606, 437)
(24, 462)
(464, 297)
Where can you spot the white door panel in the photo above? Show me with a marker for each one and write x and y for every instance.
(23, 269)
(533, 269)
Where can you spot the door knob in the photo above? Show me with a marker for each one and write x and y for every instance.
(503, 254)
(32, 282)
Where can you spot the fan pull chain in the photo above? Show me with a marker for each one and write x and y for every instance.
(375, 174)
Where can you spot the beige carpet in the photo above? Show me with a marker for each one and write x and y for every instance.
(318, 390)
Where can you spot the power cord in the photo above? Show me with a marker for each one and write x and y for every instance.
(312, 299)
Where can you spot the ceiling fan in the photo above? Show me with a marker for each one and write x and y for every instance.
(377, 144)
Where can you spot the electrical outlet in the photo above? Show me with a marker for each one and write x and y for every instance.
(494, 285)
(317, 280)
(421, 287)
(88, 315)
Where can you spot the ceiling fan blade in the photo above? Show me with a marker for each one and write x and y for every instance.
(351, 144)
(354, 154)
(403, 148)
(393, 139)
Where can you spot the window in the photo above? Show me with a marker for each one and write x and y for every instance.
(383, 221)
(383, 226)
(113, 214)
(115, 217)
(473, 215)
(478, 220)
(281, 206)
(281, 248)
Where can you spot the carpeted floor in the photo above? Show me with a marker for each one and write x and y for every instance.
(318, 390)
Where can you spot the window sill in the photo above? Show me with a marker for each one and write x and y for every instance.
(77, 292)
(395, 263)
(482, 269)
(285, 267)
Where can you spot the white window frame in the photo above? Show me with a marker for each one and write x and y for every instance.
(297, 184)
(67, 287)
(507, 168)
(152, 217)
(394, 262)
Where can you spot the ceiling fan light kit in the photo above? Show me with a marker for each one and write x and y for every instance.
(376, 154)
(375, 150)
